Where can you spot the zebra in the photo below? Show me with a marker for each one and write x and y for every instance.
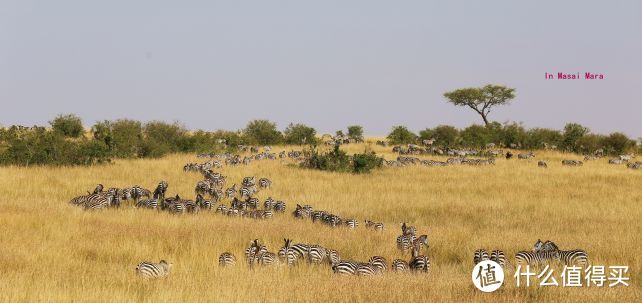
(102, 200)
(231, 191)
(542, 164)
(616, 161)
(366, 269)
(279, 206)
(216, 194)
(499, 257)
(420, 241)
(138, 192)
(379, 263)
(333, 256)
(221, 209)
(480, 255)
(266, 258)
(408, 230)
(301, 212)
(526, 155)
(153, 270)
(400, 265)
(419, 262)
(248, 181)
(148, 203)
(202, 203)
(98, 189)
(544, 246)
(265, 183)
(247, 191)
(345, 268)
(287, 254)
(159, 192)
(316, 254)
(202, 187)
(404, 242)
(573, 257)
(269, 203)
(226, 259)
(191, 206)
(374, 225)
(572, 162)
(252, 203)
(352, 223)
(535, 257)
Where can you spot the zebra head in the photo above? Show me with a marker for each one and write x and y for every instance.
(539, 245)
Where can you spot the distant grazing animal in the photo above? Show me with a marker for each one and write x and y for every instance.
(153, 270)
(542, 164)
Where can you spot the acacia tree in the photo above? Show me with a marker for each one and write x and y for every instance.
(481, 99)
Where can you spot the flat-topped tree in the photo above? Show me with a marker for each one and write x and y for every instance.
(481, 99)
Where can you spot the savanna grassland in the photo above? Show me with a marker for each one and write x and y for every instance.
(52, 251)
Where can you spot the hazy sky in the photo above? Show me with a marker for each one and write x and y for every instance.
(329, 64)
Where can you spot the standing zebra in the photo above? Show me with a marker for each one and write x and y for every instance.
(499, 257)
(226, 259)
(231, 191)
(98, 189)
(316, 254)
(535, 257)
(379, 263)
(287, 254)
(265, 183)
(153, 270)
(159, 192)
(404, 243)
(352, 223)
(138, 192)
(102, 200)
(148, 203)
(573, 257)
(400, 265)
(480, 255)
(366, 269)
(374, 225)
(419, 262)
(345, 268)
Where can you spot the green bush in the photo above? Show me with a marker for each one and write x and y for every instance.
(401, 135)
(444, 135)
(355, 132)
(476, 135)
(338, 161)
(262, 132)
(572, 133)
(618, 143)
(364, 163)
(536, 137)
(299, 134)
(68, 125)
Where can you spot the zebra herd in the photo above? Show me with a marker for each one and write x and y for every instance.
(330, 219)
(547, 252)
(258, 255)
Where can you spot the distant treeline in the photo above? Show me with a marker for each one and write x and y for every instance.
(67, 142)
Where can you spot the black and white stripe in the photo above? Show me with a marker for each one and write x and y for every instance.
(226, 259)
(153, 270)
(480, 255)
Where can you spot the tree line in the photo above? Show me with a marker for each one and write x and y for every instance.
(67, 142)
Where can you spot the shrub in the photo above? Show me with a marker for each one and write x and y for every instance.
(364, 163)
(476, 135)
(355, 132)
(68, 125)
(618, 143)
(299, 134)
(512, 133)
(401, 135)
(338, 161)
(536, 137)
(444, 135)
(572, 133)
(262, 132)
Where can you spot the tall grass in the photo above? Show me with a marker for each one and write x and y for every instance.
(51, 251)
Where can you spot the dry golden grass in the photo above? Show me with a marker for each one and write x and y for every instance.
(51, 251)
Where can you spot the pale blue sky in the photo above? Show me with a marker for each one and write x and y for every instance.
(215, 64)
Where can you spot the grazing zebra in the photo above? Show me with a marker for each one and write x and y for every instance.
(102, 200)
(419, 262)
(572, 162)
(221, 209)
(352, 223)
(247, 191)
(148, 203)
(616, 161)
(404, 243)
(153, 270)
(400, 265)
(226, 259)
(302, 212)
(379, 263)
(269, 203)
(535, 257)
(202, 203)
(279, 206)
(499, 257)
(248, 181)
(480, 255)
(316, 254)
(266, 258)
(159, 192)
(231, 192)
(526, 155)
(333, 256)
(191, 206)
(366, 269)
(138, 192)
(573, 257)
(374, 225)
(542, 164)
(265, 183)
(98, 189)
(287, 254)
(348, 268)
(252, 203)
